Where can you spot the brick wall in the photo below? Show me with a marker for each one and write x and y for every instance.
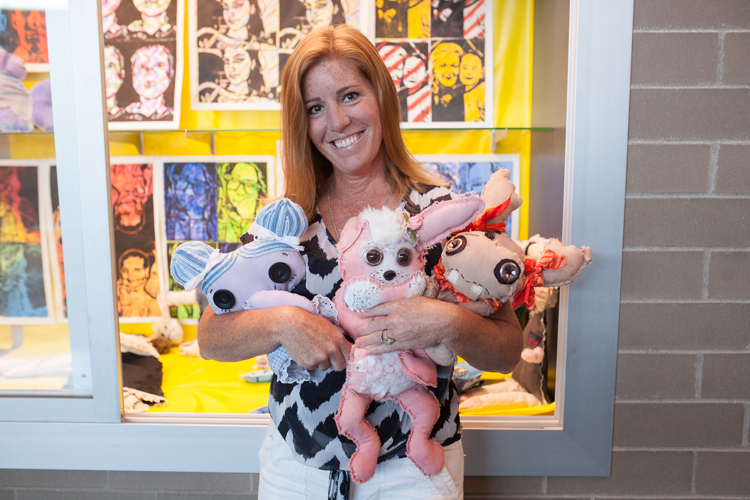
(682, 413)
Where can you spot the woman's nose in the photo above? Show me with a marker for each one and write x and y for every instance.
(338, 118)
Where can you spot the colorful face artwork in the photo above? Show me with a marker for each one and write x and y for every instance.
(435, 51)
(143, 69)
(239, 47)
(471, 176)
(24, 33)
(24, 284)
(210, 202)
(135, 240)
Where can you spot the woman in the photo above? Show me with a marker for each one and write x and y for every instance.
(343, 152)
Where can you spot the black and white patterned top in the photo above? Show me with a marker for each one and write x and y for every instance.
(303, 412)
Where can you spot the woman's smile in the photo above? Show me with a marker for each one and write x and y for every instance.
(349, 141)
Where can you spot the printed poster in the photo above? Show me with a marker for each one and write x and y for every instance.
(25, 287)
(143, 63)
(213, 199)
(469, 174)
(56, 250)
(238, 48)
(439, 55)
(24, 33)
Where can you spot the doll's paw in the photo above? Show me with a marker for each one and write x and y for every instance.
(417, 284)
(362, 293)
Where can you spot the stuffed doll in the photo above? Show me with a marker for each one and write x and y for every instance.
(382, 258)
(258, 275)
(481, 267)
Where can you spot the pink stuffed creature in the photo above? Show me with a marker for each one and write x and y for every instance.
(382, 258)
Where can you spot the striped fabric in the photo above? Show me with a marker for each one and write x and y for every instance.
(189, 260)
(227, 261)
(474, 14)
(284, 218)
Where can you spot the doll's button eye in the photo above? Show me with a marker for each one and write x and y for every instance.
(280, 272)
(374, 256)
(455, 245)
(507, 272)
(224, 299)
(403, 257)
(490, 235)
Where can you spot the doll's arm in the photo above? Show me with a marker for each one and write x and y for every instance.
(272, 298)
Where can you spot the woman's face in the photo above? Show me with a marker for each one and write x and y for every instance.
(471, 69)
(343, 117)
(236, 13)
(415, 71)
(237, 65)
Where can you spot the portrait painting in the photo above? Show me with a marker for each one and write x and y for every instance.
(56, 249)
(438, 57)
(190, 201)
(25, 286)
(184, 311)
(242, 187)
(238, 47)
(469, 173)
(142, 62)
(24, 33)
(135, 239)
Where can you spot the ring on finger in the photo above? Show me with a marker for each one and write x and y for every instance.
(384, 339)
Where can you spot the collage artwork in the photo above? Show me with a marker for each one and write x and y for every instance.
(238, 48)
(142, 63)
(24, 34)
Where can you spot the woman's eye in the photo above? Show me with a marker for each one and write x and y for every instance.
(314, 109)
(350, 96)
(455, 245)
(403, 257)
(374, 256)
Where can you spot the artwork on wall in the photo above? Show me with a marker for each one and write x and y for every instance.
(469, 173)
(143, 63)
(25, 286)
(24, 33)
(54, 238)
(238, 48)
(439, 54)
(213, 199)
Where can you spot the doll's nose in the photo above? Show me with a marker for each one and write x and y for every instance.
(389, 275)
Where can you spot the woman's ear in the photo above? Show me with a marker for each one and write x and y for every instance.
(441, 219)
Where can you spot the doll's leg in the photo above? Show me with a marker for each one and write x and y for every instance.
(350, 420)
(424, 409)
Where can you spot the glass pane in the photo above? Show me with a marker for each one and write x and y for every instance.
(35, 338)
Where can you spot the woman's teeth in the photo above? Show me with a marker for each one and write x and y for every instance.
(343, 143)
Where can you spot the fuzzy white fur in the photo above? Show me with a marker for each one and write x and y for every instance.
(388, 227)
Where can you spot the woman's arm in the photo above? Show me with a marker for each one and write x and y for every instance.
(492, 344)
(311, 341)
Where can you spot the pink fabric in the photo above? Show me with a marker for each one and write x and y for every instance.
(272, 298)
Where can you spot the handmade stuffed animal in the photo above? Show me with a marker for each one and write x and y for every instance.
(481, 267)
(257, 275)
(382, 258)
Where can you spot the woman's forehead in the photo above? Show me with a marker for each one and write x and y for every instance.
(329, 76)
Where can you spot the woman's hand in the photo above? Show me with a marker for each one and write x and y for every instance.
(492, 344)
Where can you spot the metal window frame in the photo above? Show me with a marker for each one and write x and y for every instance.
(576, 441)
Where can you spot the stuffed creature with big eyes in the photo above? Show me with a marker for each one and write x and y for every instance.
(481, 267)
(258, 275)
(382, 258)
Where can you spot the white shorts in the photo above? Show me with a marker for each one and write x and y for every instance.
(284, 478)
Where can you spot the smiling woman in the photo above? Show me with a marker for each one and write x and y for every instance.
(343, 152)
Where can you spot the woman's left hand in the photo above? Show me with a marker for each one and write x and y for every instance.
(413, 323)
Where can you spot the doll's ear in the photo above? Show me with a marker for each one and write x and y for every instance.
(441, 219)
(575, 260)
(349, 234)
(499, 189)
(189, 260)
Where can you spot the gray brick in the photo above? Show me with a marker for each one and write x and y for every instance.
(205, 496)
(723, 473)
(644, 376)
(666, 275)
(737, 58)
(634, 472)
(733, 175)
(675, 57)
(729, 275)
(681, 13)
(689, 113)
(53, 478)
(678, 424)
(495, 485)
(187, 481)
(35, 494)
(7, 495)
(668, 168)
(687, 222)
(726, 376)
(684, 326)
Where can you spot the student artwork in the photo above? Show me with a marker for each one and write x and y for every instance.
(135, 240)
(25, 287)
(209, 199)
(56, 249)
(470, 173)
(142, 63)
(24, 33)
(238, 48)
(439, 57)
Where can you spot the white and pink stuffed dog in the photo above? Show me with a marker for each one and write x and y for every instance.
(382, 258)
